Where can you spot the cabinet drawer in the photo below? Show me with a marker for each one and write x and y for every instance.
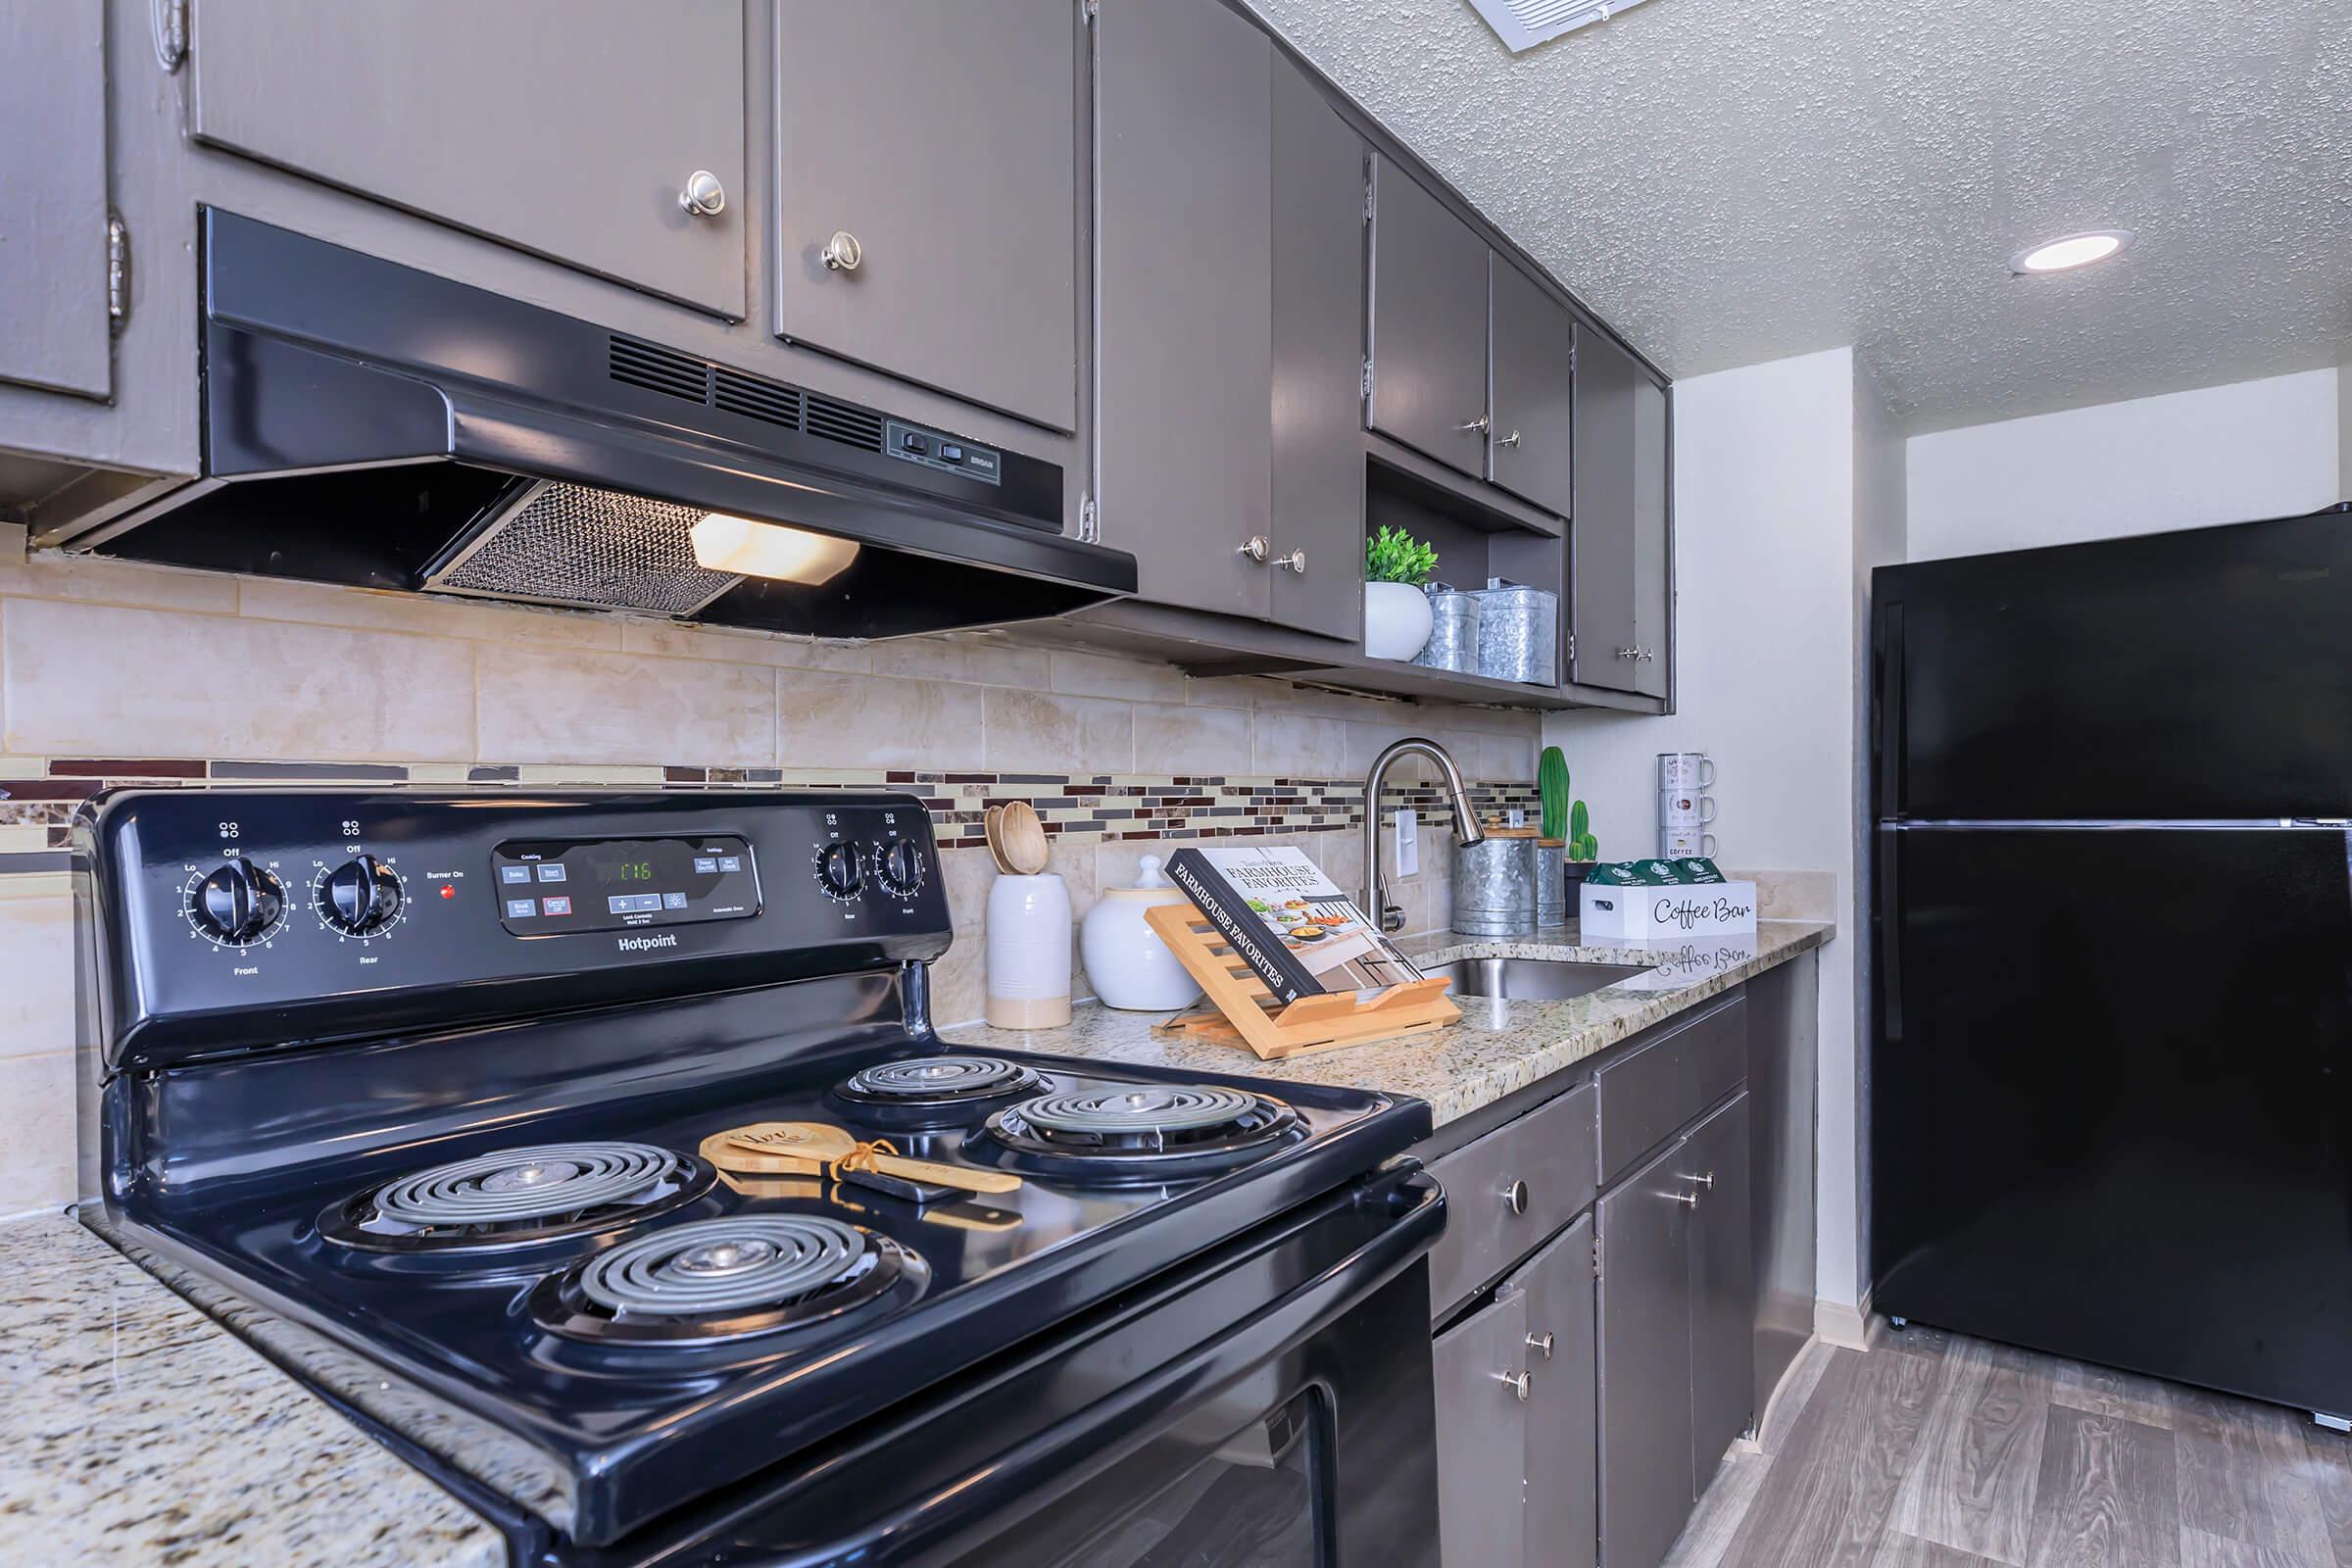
(1665, 1084)
(1507, 1191)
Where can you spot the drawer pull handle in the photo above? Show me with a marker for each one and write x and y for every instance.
(1518, 1383)
(1540, 1342)
(1514, 1197)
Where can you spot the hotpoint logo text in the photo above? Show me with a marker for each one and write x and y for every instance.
(644, 944)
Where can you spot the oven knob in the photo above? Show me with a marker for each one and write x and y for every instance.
(237, 902)
(838, 870)
(899, 866)
(360, 897)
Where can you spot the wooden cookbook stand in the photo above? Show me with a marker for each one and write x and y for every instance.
(1243, 1011)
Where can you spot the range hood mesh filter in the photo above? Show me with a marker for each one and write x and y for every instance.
(568, 544)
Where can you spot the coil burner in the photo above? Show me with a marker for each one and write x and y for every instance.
(1140, 1132)
(517, 1196)
(723, 1279)
(937, 1083)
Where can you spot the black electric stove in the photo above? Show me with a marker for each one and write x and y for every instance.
(419, 1082)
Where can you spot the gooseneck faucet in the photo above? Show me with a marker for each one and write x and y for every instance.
(1466, 830)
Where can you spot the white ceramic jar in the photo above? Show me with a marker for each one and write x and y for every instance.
(1129, 966)
(1029, 952)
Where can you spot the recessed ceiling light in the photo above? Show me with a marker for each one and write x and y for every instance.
(2070, 251)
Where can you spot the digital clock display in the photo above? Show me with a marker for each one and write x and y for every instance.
(623, 870)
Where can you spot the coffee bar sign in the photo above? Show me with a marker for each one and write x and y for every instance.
(1663, 913)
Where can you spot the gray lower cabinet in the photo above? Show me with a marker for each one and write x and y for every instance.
(943, 141)
(54, 330)
(566, 127)
(1722, 1316)
(1429, 324)
(1618, 529)
(1783, 1029)
(1563, 1438)
(1482, 1434)
(1534, 391)
(1230, 240)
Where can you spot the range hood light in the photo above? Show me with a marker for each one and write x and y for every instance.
(770, 550)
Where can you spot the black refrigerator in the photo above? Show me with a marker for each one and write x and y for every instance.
(2111, 1078)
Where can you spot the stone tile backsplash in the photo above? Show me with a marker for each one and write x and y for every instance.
(116, 673)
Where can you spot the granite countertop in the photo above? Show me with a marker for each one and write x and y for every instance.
(136, 1429)
(1498, 1046)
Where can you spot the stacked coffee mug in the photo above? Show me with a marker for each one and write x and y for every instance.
(1685, 809)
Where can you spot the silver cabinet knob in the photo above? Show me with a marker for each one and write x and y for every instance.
(1296, 561)
(1518, 1383)
(1258, 549)
(704, 196)
(1645, 654)
(1628, 652)
(842, 253)
(1540, 1342)
(1707, 1181)
(1514, 1197)
(1510, 440)
(1479, 423)
(1689, 1199)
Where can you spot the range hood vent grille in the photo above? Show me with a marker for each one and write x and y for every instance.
(844, 422)
(770, 402)
(658, 369)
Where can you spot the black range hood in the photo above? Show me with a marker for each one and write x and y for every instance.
(371, 424)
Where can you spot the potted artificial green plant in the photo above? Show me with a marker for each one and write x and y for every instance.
(1567, 850)
(1396, 618)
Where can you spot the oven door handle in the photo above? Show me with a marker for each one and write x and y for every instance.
(1033, 1473)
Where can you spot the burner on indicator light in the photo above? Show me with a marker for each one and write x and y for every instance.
(1140, 1132)
(519, 1195)
(723, 1279)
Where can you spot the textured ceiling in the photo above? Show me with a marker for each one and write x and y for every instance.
(1729, 182)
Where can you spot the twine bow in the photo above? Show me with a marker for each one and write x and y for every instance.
(861, 1156)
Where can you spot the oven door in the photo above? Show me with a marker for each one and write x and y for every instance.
(1268, 1407)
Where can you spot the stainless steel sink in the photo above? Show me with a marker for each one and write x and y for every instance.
(1533, 979)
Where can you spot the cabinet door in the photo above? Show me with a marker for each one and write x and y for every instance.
(945, 138)
(1645, 1360)
(567, 127)
(1429, 324)
(1318, 337)
(1534, 390)
(1482, 1435)
(53, 330)
(1653, 600)
(1783, 1012)
(1563, 1437)
(1602, 527)
(1723, 1337)
(1186, 293)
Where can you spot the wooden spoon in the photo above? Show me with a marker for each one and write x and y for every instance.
(992, 823)
(1025, 838)
(800, 1141)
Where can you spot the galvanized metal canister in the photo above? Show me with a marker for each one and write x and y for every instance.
(1452, 632)
(1494, 886)
(1551, 889)
(1518, 631)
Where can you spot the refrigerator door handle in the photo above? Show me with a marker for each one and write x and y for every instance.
(1889, 944)
(1888, 740)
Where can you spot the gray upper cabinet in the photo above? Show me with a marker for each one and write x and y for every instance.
(1645, 1358)
(570, 129)
(1482, 1434)
(54, 330)
(1230, 255)
(942, 143)
(1616, 528)
(1186, 285)
(1534, 391)
(1318, 343)
(1562, 1437)
(1429, 324)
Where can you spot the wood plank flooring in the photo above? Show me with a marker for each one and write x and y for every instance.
(1933, 1450)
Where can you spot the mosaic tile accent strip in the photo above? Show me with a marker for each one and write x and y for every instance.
(1075, 808)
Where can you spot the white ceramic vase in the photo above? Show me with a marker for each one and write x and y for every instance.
(1130, 966)
(1029, 952)
(1397, 619)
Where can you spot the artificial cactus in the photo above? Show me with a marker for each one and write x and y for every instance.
(1551, 785)
(1582, 845)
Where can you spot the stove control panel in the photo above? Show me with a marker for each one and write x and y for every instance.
(548, 887)
(248, 918)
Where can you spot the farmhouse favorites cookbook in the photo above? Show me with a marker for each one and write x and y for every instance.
(1301, 935)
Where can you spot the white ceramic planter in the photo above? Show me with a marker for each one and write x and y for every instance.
(1130, 966)
(1397, 619)
(1028, 953)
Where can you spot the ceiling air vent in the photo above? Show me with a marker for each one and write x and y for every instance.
(1524, 23)
(844, 422)
(657, 369)
(772, 401)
